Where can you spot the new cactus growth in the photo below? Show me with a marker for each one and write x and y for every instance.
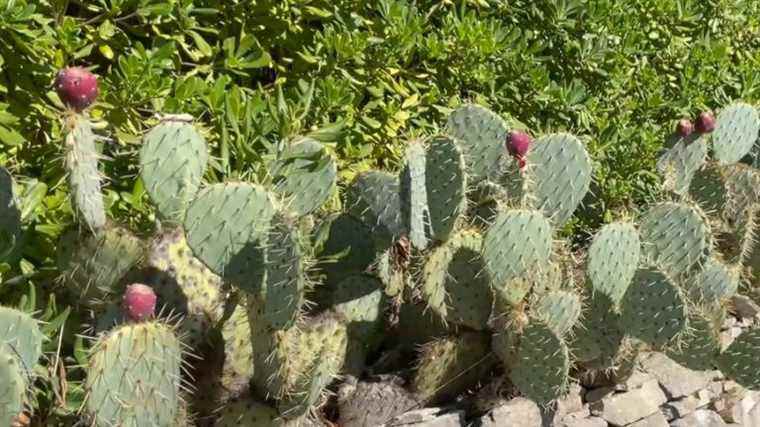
(77, 87)
(84, 175)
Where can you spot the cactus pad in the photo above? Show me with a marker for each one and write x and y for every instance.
(244, 411)
(675, 237)
(13, 383)
(373, 198)
(173, 159)
(447, 366)
(699, 346)
(347, 247)
(683, 158)
(455, 286)
(304, 176)
(184, 284)
(93, 264)
(653, 309)
(559, 310)
(482, 135)
(84, 176)
(708, 189)
(225, 225)
(21, 333)
(559, 176)
(739, 361)
(413, 195)
(716, 281)
(599, 337)
(446, 183)
(518, 242)
(133, 377)
(10, 216)
(613, 258)
(743, 185)
(541, 369)
(735, 132)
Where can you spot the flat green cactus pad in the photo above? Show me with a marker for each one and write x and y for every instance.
(653, 309)
(84, 176)
(446, 182)
(20, 334)
(413, 194)
(699, 346)
(304, 175)
(716, 281)
(683, 158)
(173, 159)
(133, 378)
(454, 285)
(543, 363)
(736, 131)
(482, 134)
(558, 309)
(613, 258)
(10, 215)
(13, 383)
(374, 199)
(740, 362)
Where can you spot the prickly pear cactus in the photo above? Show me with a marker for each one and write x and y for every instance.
(540, 370)
(447, 366)
(93, 264)
(226, 227)
(173, 159)
(294, 365)
(653, 308)
(735, 132)
(676, 237)
(699, 346)
(558, 309)
(598, 338)
(613, 258)
(373, 198)
(413, 195)
(446, 182)
(10, 216)
(519, 242)
(678, 164)
(482, 134)
(346, 248)
(13, 384)
(185, 285)
(133, 377)
(20, 333)
(304, 175)
(716, 281)
(708, 189)
(454, 285)
(739, 361)
(245, 411)
(559, 176)
(84, 177)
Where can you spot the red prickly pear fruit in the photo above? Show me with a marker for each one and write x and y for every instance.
(518, 143)
(139, 302)
(76, 87)
(705, 122)
(684, 128)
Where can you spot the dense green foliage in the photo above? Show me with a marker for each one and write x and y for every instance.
(362, 77)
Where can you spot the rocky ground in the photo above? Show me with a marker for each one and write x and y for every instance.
(658, 393)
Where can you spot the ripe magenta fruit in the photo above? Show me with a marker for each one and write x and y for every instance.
(139, 302)
(705, 122)
(76, 87)
(518, 143)
(684, 128)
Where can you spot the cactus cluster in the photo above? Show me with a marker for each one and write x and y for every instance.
(264, 297)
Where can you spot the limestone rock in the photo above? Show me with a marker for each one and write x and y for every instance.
(676, 380)
(700, 418)
(625, 408)
(516, 412)
(428, 417)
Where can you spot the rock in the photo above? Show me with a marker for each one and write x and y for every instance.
(598, 393)
(624, 408)
(728, 322)
(570, 403)
(700, 418)
(676, 380)
(744, 307)
(752, 417)
(584, 422)
(517, 412)
(365, 404)
(636, 380)
(428, 417)
(716, 388)
(654, 420)
(680, 408)
(738, 408)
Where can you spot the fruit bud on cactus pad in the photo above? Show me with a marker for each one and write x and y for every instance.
(139, 302)
(518, 144)
(76, 87)
(684, 128)
(705, 123)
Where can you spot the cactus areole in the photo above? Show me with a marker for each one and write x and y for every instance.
(684, 128)
(76, 87)
(705, 122)
(518, 143)
(139, 302)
